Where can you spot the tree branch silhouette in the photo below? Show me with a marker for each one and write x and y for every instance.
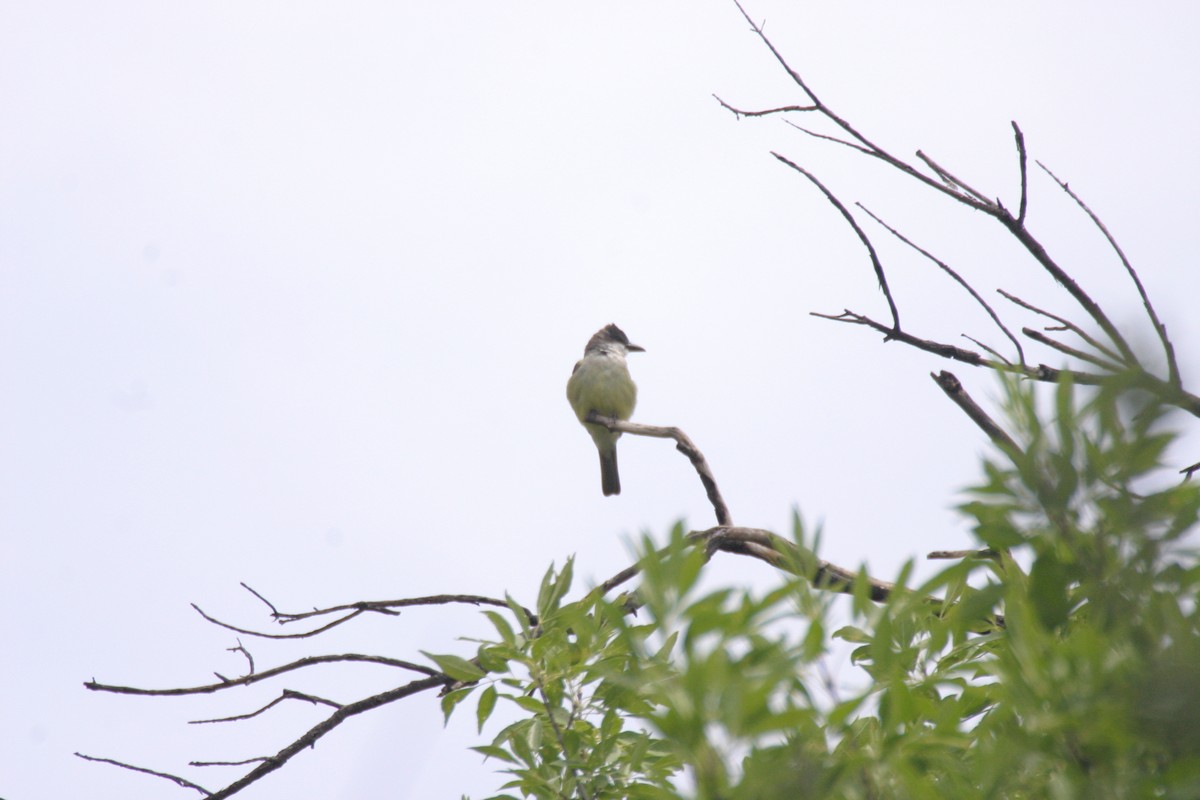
(1106, 353)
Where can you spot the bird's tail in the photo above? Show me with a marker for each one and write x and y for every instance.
(610, 479)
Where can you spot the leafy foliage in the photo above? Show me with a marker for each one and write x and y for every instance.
(1064, 662)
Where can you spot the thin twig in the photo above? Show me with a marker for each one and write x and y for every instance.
(862, 236)
(738, 112)
(262, 635)
(1023, 162)
(864, 145)
(288, 694)
(953, 180)
(1078, 331)
(246, 653)
(990, 349)
(958, 278)
(1070, 351)
(389, 606)
(353, 610)
(184, 782)
(1160, 329)
(828, 138)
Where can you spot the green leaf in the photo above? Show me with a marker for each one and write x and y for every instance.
(852, 634)
(452, 699)
(491, 751)
(530, 704)
(1049, 582)
(487, 702)
(456, 667)
(502, 627)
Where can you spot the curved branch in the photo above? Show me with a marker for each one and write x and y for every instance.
(684, 445)
(261, 635)
(738, 112)
(287, 694)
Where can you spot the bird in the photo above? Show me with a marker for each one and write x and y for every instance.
(600, 382)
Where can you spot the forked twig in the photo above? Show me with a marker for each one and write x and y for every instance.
(958, 278)
(1078, 331)
(259, 677)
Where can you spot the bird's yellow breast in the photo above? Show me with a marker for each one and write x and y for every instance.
(602, 385)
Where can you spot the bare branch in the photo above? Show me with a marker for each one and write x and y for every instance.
(961, 282)
(828, 138)
(937, 348)
(268, 603)
(949, 184)
(257, 677)
(864, 144)
(1080, 332)
(1160, 329)
(953, 181)
(1070, 351)
(991, 350)
(781, 110)
(1035, 248)
(288, 694)
(246, 653)
(243, 762)
(261, 635)
(173, 778)
(310, 738)
(1041, 372)
(684, 445)
(389, 606)
(862, 236)
(351, 611)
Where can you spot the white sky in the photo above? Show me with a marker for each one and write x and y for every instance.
(289, 293)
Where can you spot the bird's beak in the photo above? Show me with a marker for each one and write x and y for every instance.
(635, 348)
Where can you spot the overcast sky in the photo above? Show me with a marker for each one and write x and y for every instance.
(289, 293)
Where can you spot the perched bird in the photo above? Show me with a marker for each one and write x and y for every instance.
(600, 382)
